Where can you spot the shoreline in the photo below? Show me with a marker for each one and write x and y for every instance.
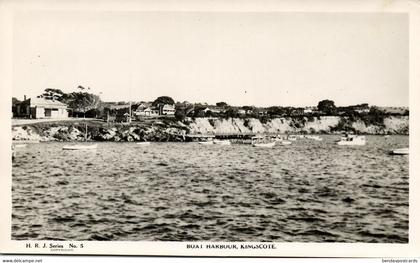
(162, 130)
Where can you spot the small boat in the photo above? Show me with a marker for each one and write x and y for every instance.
(80, 147)
(386, 136)
(292, 138)
(206, 142)
(264, 145)
(20, 145)
(316, 138)
(263, 141)
(400, 151)
(352, 140)
(24, 141)
(286, 142)
(143, 143)
(221, 142)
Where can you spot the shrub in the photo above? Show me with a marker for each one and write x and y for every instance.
(211, 121)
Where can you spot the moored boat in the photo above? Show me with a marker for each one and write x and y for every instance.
(264, 145)
(206, 142)
(314, 137)
(263, 141)
(400, 151)
(80, 147)
(222, 142)
(286, 142)
(143, 143)
(24, 141)
(352, 140)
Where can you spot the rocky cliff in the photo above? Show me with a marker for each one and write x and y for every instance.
(327, 124)
(171, 130)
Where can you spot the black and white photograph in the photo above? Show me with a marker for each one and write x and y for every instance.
(210, 126)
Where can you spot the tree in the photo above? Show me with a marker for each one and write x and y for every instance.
(221, 104)
(275, 111)
(232, 113)
(54, 94)
(163, 100)
(327, 106)
(83, 101)
(180, 113)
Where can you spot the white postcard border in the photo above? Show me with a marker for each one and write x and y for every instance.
(180, 248)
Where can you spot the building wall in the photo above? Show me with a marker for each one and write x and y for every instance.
(38, 113)
(59, 113)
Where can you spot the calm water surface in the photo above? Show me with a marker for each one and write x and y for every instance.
(309, 191)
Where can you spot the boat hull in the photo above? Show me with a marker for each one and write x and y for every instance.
(143, 143)
(351, 143)
(264, 145)
(221, 142)
(206, 143)
(401, 151)
(80, 147)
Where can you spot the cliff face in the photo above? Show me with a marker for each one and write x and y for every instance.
(176, 131)
(326, 124)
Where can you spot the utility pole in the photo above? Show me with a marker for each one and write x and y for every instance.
(129, 113)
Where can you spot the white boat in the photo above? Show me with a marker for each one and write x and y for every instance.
(206, 142)
(316, 138)
(24, 141)
(264, 145)
(286, 142)
(20, 145)
(400, 151)
(221, 142)
(80, 147)
(291, 138)
(143, 143)
(352, 140)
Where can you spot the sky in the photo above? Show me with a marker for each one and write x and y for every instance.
(261, 59)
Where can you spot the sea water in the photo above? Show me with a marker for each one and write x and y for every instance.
(309, 191)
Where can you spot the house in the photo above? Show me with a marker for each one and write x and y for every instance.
(212, 110)
(40, 108)
(262, 112)
(297, 112)
(361, 108)
(309, 110)
(142, 111)
(167, 109)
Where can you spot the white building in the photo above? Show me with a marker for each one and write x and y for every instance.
(40, 108)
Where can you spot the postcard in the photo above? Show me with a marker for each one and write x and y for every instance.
(210, 128)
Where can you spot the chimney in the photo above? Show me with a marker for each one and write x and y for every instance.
(24, 97)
